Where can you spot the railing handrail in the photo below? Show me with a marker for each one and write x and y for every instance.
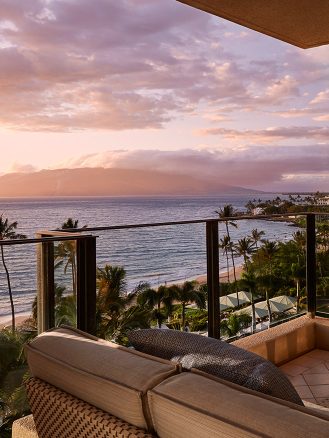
(74, 232)
(195, 221)
(10, 242)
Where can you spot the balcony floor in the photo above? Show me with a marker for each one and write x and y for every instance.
(310, 376)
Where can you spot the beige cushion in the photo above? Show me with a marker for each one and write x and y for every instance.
(282, 343)
(191, 405)
(110, 377)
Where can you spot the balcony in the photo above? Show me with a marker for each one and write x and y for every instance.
(84, 243)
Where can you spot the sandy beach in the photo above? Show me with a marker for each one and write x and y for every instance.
(5, 321)
(223, 278)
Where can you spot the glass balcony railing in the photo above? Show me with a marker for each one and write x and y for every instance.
(108, 280)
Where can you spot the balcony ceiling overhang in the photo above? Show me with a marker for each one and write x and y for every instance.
(303, 23)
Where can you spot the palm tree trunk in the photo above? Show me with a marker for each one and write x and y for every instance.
(9, 291)
(258, 258)
(183, 316)
(227, 266)
(159, 319)
(269, 308)
(233, 263)
(297, 295)
(253, 316)
(74, 273)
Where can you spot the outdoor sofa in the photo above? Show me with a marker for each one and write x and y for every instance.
(86, 387)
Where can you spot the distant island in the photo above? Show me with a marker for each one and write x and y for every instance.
(111, 182)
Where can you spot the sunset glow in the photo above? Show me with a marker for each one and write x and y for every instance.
(157, 85)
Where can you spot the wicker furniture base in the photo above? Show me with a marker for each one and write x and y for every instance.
(59, 415)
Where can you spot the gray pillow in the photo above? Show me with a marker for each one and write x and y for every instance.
(217, 358)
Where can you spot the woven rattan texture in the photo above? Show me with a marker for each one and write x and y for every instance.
(60, 415)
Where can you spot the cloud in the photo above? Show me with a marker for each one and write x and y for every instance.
(271, 135)
(21, 168)
(321, 97)
(64, 68)
(287, 86)
(254, 167)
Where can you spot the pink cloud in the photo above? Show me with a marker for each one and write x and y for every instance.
(271, 135)
(250, 167)
(66, 68)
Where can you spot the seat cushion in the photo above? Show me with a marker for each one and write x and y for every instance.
(217, 358)
(110, 377)
(193, 405)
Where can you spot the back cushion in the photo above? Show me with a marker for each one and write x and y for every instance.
(218, 358)
(110, 377)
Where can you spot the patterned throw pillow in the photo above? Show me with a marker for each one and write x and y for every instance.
(217, 358)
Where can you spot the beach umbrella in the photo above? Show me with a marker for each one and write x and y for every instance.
(232, 299)
(229, 301)
(223, 307)
(244, 296)
(282, 303)
(278, 305)
(285, 299)
(261, 310)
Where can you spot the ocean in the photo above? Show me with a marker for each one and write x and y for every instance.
(156, 255)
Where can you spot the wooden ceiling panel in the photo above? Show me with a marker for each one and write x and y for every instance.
(303, 23)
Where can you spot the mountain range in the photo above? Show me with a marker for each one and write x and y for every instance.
(110, 182)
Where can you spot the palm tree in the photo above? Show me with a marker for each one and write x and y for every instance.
(298, 273)
(225, 245)
(116, 311)
(299, 238)
(323, 235)
(112, 288)
(13, 372)
(234, 323)
(188, 293)
(244, 248)
(158, 300)
(248, 281)
(225, 213)
(67, 251)
(268, 252)
(7, 231)
(70, 224)
(256, 236)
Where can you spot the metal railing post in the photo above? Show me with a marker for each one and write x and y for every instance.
(311, 264)
(45, 286)
(213, 279)
(86, 284)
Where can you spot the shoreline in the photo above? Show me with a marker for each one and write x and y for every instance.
(223, 277)
(20, 318)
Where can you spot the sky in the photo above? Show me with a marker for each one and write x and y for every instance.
(159, 85)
